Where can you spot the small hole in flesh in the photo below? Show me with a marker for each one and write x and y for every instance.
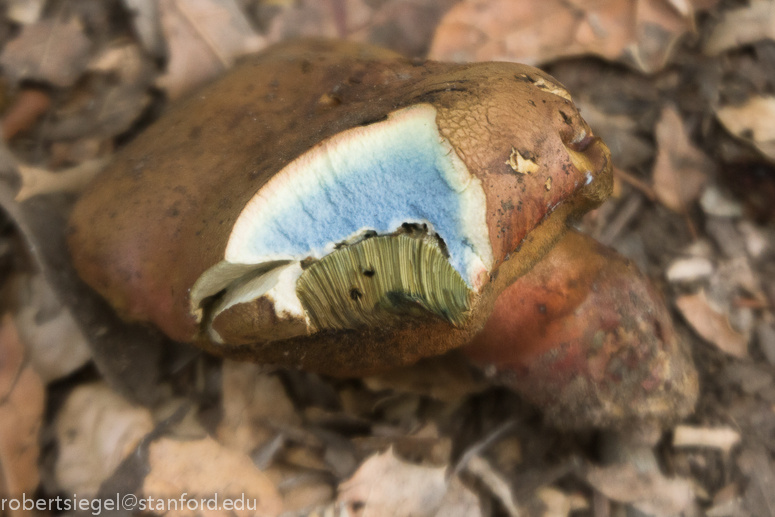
(541, 308)
(356, 294)
(369, 272)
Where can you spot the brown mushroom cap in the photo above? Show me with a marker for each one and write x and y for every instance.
(155, 234)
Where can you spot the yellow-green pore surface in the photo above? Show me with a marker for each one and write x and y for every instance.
(315, 190)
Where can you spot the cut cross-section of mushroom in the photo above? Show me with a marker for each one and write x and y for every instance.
(338, 207)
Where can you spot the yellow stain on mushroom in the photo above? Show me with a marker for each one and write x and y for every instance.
(548, 184)
(520, 164)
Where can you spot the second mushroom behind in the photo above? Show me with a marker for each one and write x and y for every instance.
(338, 207)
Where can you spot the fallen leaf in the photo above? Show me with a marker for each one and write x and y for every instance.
(204, 469)
(255, 403)
(52, 51)
(24, 12)
(55, 344)
(722, 438)
(204, 37)
(22, 398)
(96, 429)
(36, 181)
(680, 170)
(753, 122)
(743, 26)
(689, 269)
(640, 32)
(648, 491)
(386, 486)
(712, 325)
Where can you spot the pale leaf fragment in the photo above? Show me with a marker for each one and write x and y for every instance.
(753, 121)
(722, 438)
(680, 170)
(24, 12)
(712, 325)
(385, 485)
(648, 491)
(36, 181)
(205, 469)
(689, 269)
(52, 51)
(55, 343)
(749, 24)
(204, 37)
(96, 429)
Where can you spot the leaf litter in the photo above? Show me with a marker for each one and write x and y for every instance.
(682, 92)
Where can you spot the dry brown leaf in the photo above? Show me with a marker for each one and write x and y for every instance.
(742, 26)
(202, 469)
(386, 486)
(22, 399)
(648, 491)
(55, 343)
(712, 325)
(680, 170)
(96, 430)
(204, 37)
(254, 403)
(405, 26)
(36, 181)
(642, 32)
(52, 51)
(753, 121)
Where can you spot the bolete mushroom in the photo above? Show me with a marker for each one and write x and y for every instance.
(338, 207)
(586, 336)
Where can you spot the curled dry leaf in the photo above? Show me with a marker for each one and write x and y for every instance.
(386, 486)
(53, 51)
(96, 429)
(712, 325)
(22, 398)
(282, 256)
(203, 37)
(586, 336)
(204, 469)
(753, 122)
(640, 32)
(680, 170)
(742, 26)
